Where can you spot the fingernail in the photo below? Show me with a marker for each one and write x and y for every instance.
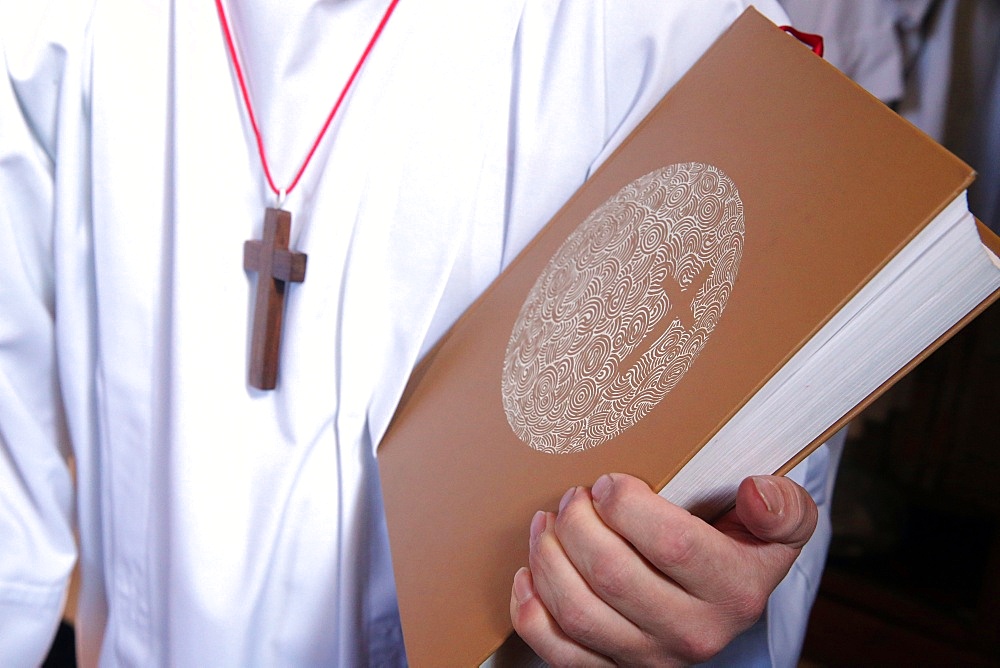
(567, 497)
(601, 487)
(769, 494)
(523, 587)
(538, 523)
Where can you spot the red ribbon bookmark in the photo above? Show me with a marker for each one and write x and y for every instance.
(815, 42)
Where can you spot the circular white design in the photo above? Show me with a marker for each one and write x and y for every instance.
(621, 311)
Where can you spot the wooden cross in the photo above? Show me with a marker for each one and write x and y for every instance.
(276, 266)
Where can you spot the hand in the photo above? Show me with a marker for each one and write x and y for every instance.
(619, 575)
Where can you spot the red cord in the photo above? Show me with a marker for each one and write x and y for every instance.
(244, 91)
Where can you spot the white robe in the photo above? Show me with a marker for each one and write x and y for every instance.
(220, 525)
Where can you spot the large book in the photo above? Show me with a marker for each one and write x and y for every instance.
(765, 254)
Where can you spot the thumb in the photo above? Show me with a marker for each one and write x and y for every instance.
(776, 510)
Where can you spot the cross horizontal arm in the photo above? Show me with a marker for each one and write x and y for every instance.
(288, 266)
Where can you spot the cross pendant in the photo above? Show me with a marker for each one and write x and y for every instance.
(276, 266)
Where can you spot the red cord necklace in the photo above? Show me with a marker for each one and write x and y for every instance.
(275, 264)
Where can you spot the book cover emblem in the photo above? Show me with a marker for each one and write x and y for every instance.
(623, 308)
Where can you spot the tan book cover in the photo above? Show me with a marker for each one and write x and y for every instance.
(757, 198)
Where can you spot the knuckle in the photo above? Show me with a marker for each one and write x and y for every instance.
(677, 548)
(748, 604)
(560, 657)
(700, 647)
(575, 621)
(610, 577)
(650, 651)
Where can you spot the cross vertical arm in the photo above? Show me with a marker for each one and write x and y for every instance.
(276, 266)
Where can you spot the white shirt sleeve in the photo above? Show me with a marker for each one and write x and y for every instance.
(37, 549)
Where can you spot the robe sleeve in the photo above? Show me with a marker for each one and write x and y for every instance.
(605, 65)
(37, 548)
(650, 44)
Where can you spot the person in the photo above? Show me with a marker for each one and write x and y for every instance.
(218, 524)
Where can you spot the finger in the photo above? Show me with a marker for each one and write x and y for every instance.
(776, 510)
(579, 612)
(537, 628)
(676, 624)
(688, 550)
(773, 518)
(613, 569)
